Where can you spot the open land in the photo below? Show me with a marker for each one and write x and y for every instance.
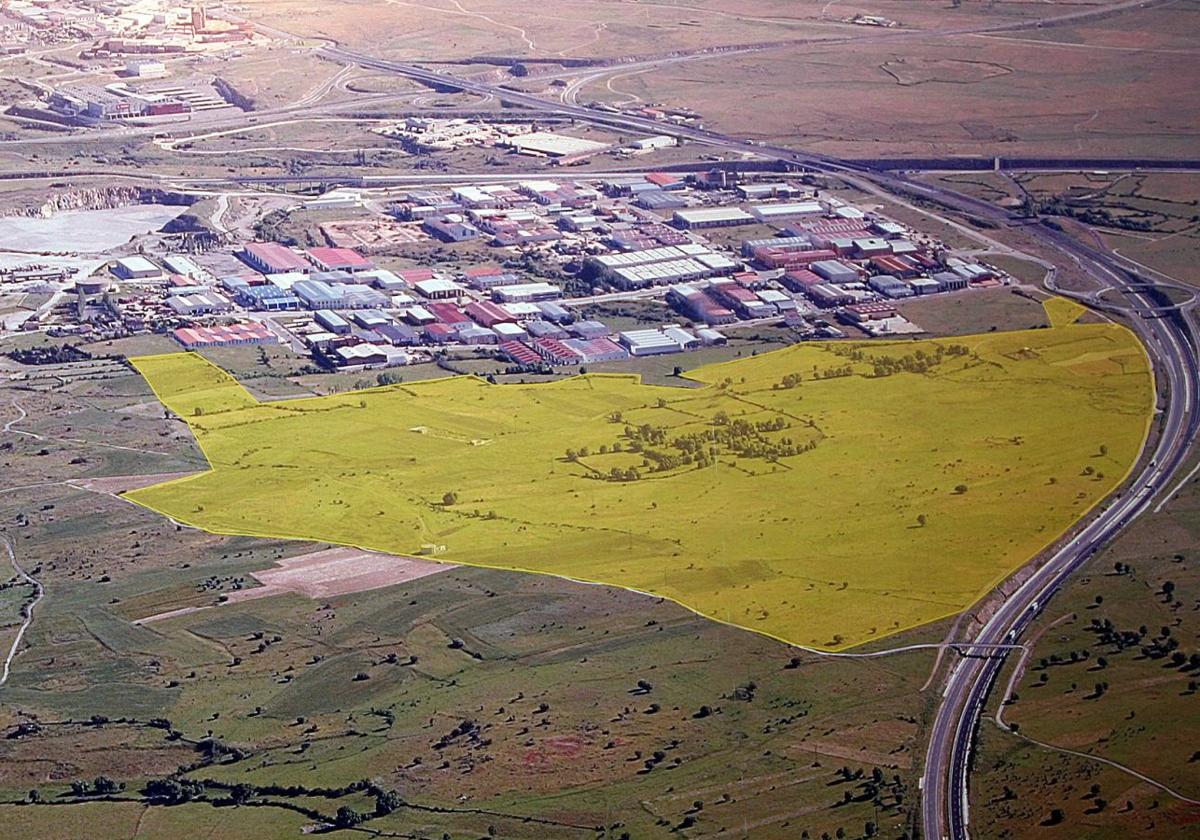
(1111, 674)
(498, 477)
(487, 698)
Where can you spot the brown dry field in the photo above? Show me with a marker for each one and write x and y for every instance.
(432, 30)
(954, 96)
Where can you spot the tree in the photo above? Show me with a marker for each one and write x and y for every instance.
(449, 499)
(960, 489)
(387, 802)
(105, 786)
(241, 793)
(347, 817)
(1056, 817)
(35, 796)
(921, 520)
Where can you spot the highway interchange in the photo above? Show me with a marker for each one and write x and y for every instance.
(1167, 329)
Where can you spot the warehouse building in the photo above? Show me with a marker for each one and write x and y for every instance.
(828, 297)
(658, 199)
(224, 336)
(332, 322)
(476, 335)
(317, 294)
(889, 286)
(488, 314)
(437, 288)
(266, 297)
(833, 271)
(526, 293)
(506, 331)
(544, 329)
(648, 342)
(204, 303)
(519, 353)
(948, 281)
(555, 312)
(711, 217)
(486, 277)
(273, 258)
(780, 212)
(338, 259)
(451, 228)
(556, 352)
(773, 189)
(596, 350)
(183, 266)
(398, 335)
(589, 330)
(137, 268)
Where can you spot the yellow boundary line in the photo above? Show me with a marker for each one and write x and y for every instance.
(982, 593)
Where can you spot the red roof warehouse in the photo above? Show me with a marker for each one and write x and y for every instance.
(273, 258)
(338, 259)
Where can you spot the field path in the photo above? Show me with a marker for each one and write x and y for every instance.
(26, 611)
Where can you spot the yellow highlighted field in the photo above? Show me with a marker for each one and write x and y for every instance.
(824, 494)
(1063, 311)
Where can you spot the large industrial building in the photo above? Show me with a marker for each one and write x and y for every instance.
(273, 258)
(711, 217)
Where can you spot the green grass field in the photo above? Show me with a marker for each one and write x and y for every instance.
(825, 495)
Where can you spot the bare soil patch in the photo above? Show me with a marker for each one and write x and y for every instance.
(338, 571)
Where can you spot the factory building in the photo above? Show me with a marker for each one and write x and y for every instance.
(596, 350)
(651, 342)
(266, 297)
(205, 303)
(136, 268)
(948, 281)
(274, 258)
(828, 297)
(711, 217)
(526, 293)
(332, 322)
(224, 336)
(338, 259)
(779, 212)
(438, 289)
(889, 286)
(833, 271)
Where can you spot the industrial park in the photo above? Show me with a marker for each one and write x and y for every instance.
(830, 271)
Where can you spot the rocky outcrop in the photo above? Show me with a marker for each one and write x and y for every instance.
(95, 198)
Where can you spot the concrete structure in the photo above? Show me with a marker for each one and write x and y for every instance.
(332, 322)
(137, 268)
(274, 258)
(224, 336)
(710, 217)
(526, 293)
(438, 289)
(338, 259)
(204, 303)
